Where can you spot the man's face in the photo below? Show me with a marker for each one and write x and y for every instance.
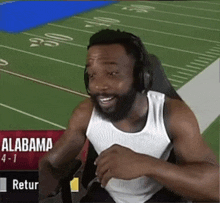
(110, 71)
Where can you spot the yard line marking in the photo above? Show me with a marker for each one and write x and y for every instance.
(201, 9)
(179, 77)
(201, 61)
(166, 33)
(172, 48)
(175, 85)
(176, 67)
(207, 2)
(78, 45)
(30, 115)
(191, 16)
(209, 52)
(205, 58)
(185, 73)
(133, 16)
(46, 57)
(197, 64)
(44, 83)
(79, 65)
(175, 80)
(193, 67)
(214, 49)
(70, 28)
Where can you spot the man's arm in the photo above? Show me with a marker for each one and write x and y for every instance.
(196, 176)
(197, 173)
(55, 164)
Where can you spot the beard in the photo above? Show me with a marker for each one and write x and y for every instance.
(121, 108)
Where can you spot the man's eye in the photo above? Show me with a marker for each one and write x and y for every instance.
(113, 73)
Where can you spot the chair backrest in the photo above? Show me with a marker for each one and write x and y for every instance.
(160, 83)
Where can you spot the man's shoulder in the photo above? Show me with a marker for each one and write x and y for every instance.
(179, 116)
(176, 106)
(85, 106)
(81, 115)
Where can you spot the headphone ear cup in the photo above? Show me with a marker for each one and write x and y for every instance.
(144, 80)
(86, 80)
(147, 80)
(140, 81)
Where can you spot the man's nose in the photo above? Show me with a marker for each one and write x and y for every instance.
(101, 84)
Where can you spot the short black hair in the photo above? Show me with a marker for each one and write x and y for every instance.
(132, 44)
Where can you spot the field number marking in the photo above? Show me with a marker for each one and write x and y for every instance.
(36, 42)
(101, 21)
(58, 37)
(3, 62)
(138, 8)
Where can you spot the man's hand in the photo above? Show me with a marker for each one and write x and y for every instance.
(119, 162)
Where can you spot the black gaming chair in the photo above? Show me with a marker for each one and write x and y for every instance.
(161, 84)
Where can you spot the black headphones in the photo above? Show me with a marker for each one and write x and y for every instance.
(86, 80)
(142, 72)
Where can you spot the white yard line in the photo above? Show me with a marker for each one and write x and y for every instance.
(185, 73)
(171, 13)
(70, 28)
(73, 44)
(205, 58)
(197, 60)
(175, 85)
(32, 116)
(175, 49)
(177, 76)
(44, 83)
(42, 56)
(207, 2)
(176, 67)
(147, 43)
(215, 50)
(197, 64)
(197, 68)
(202, 95)
(180, 6)
(156, 31)
(163, 21)
(178, 81)
(209, 52)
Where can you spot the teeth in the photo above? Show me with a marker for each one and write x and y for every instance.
(106, 99)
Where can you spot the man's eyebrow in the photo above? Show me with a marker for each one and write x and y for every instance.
(110, 62)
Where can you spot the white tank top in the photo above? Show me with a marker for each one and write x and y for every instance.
(151, 140)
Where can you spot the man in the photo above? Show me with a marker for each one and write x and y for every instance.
(133, 130)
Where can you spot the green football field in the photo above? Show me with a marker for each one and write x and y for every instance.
(42, 69)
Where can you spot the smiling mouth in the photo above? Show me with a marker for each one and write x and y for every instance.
(105, 101)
